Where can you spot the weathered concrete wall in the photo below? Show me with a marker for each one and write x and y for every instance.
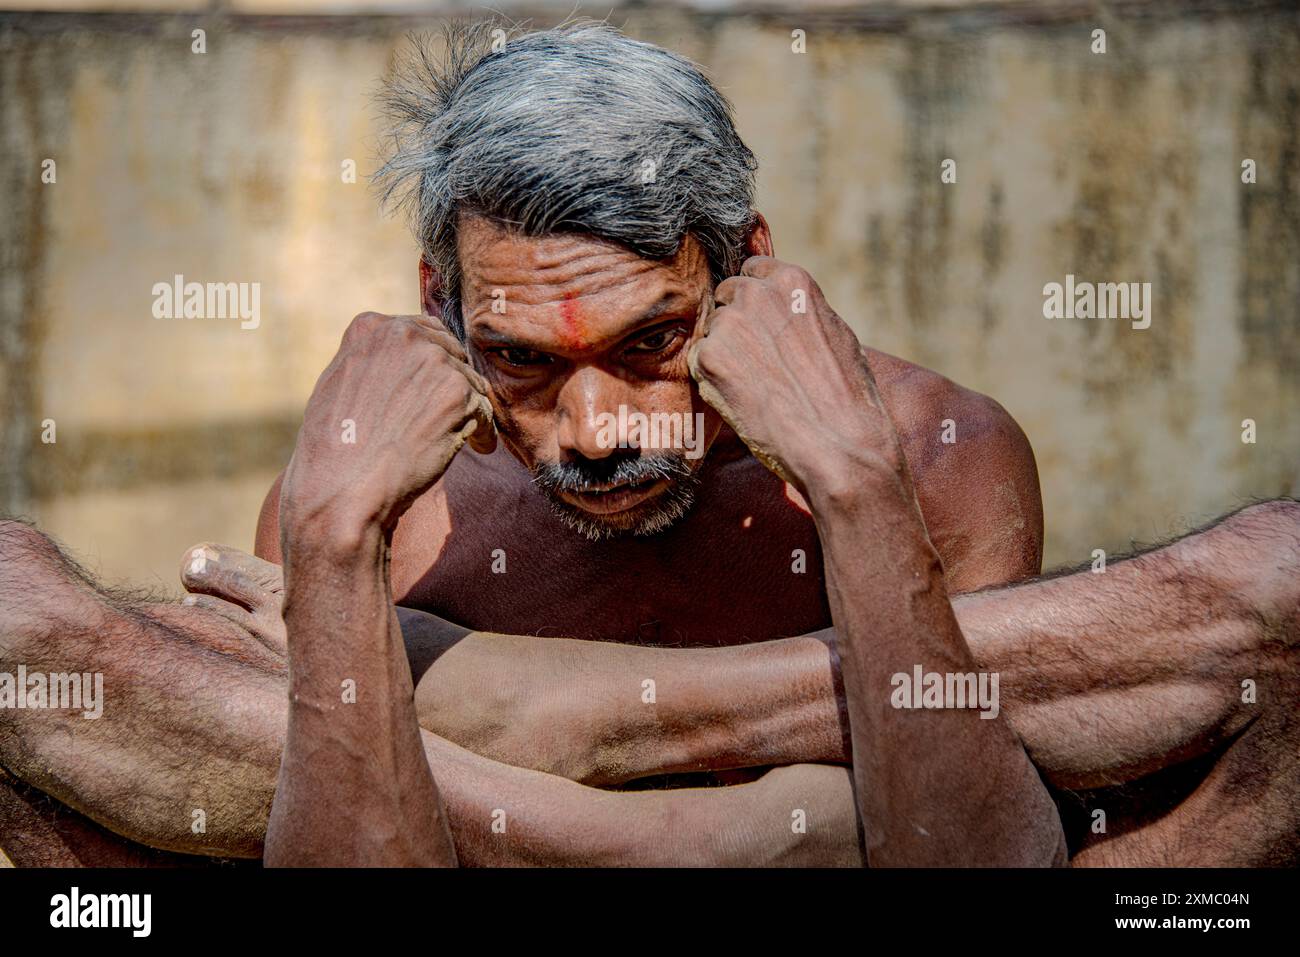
(226, 167)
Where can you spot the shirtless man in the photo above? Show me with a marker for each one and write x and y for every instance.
(1127, 686)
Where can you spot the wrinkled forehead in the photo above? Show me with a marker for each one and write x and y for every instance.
(544, 288)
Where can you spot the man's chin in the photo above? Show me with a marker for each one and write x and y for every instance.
(650, 517)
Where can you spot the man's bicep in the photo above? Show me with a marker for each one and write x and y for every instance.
(267, 541)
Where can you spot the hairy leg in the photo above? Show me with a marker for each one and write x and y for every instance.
(1114, 675)
(1163, 692)
(1126, 687)
(802, 815)
(38, 831)
(192, 707)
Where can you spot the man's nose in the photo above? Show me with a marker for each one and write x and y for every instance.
(588, 403)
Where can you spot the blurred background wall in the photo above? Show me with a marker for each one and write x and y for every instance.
(227, 166)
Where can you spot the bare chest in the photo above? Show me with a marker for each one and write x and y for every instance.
(744, 565)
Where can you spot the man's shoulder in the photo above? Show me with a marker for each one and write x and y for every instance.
(974, 471)
(932, 412)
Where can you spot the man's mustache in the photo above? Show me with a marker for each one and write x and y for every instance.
(583, 475)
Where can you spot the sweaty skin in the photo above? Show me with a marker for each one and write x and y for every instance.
(549, 382)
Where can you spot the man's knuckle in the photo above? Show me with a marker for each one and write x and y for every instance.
(361, 328)
(795, 276)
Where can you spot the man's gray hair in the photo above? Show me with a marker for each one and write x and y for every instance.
(578, 129)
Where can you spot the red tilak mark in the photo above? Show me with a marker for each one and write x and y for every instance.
(573, 333)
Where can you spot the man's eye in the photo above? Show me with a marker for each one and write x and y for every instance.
(523, 357)
(656, 342)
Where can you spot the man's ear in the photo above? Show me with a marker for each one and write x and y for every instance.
(430, 289)
(758, 242)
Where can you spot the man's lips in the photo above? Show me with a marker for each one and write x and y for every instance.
(618, 498)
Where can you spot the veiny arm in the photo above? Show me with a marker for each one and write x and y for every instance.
(355, 786)
(1105, 677)
(934, 787)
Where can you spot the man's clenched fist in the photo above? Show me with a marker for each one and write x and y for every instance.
(383, 423)
(789, 375)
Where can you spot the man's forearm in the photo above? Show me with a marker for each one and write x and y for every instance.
(355, 786)
(937, 786)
